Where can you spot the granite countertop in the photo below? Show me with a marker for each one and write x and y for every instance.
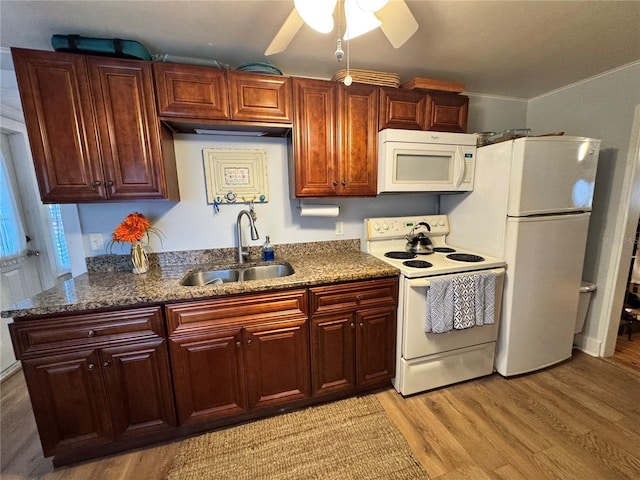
(161, 284)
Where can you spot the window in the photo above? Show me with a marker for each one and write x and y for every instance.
(63, 262)
(13, 242)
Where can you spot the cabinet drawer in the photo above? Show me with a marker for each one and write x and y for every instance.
(41, 336)
(186, 318)
(352, 296)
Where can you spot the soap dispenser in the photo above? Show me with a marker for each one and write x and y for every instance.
(268, 254)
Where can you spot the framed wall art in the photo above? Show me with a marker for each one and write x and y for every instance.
(236, 175)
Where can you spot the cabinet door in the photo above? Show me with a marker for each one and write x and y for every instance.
(333, 353)
(191, 91)
(208, 375)
(315, 152)
(139, 388)
(358, 136)
(128, 127)
(277, 362)
(375, 345)
(54, 89)
(259, 98)
(404, 109)
(447, 112)
(69, 401)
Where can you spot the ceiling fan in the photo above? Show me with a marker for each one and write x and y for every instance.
(392, 16)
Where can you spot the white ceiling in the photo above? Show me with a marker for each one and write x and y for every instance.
(511, 48)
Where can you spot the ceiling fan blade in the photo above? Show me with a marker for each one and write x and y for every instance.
(398, 23)
(287, 31)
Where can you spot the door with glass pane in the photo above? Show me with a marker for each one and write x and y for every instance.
(22, 266)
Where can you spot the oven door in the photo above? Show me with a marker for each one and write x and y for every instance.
(412, 315)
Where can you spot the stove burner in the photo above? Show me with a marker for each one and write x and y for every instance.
(400, 255)
(417, 264)
(444, 249)
(465, 257)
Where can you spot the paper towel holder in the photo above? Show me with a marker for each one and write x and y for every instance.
(318, 210)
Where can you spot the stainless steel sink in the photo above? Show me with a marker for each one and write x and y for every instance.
(198, 279)
(261, 272)
(239, 274)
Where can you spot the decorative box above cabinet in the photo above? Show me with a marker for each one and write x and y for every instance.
(93, 129)
(192, 93)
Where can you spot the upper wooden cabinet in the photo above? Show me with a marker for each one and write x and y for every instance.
(423, 110)
(447, 112)
(192, 92)
(334, 144)
(93, 128)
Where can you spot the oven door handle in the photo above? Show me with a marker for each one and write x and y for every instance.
(423, 283)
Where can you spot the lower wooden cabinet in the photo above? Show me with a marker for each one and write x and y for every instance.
(96, 379)
(233, 354)
(105, 382)
(353, 335)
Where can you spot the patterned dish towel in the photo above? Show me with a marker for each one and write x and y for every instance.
(460, 302)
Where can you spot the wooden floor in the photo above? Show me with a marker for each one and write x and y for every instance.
(627, 351)
(577, 420)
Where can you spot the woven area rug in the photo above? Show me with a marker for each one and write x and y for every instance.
(347, 439)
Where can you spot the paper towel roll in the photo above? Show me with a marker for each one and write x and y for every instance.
(319, 210)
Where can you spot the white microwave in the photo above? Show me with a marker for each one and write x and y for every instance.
(425, 161)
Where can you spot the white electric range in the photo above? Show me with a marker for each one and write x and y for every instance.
(429, 360)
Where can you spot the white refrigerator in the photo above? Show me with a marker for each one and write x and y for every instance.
(530, 205)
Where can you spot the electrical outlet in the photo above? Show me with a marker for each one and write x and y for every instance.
(339, 228)
(95, 241)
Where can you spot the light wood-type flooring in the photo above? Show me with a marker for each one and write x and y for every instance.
(577, 420)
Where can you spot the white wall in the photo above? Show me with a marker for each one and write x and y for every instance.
(191, 224)
(600, 107)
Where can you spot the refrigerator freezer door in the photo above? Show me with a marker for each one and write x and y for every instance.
(552, 175)
(544, 270)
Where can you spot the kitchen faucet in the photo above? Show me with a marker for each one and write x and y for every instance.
(242, 251)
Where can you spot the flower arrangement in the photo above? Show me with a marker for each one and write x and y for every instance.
(132, 230)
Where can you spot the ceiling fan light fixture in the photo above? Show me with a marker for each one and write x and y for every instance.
(371, 6)
(317, 14)
(358, 21)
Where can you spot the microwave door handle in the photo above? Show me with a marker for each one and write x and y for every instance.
(459, 165)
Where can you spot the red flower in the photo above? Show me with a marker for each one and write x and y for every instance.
(134, 227)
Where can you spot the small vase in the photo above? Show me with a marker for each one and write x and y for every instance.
(139, 258)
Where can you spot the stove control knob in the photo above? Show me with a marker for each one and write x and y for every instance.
(376, 226)
(385, 226)
(441, 222)
(433, 222)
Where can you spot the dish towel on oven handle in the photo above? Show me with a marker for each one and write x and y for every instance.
(460, 302)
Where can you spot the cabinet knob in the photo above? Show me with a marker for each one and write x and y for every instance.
(335, 183)
(358, 298)
(238, 344)
(361, 324)
(91, 366)
(249, 342)
(351, 325)
(343, 183)
(91, 333)
(109, 183)
(106, 364)
(95, 184)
